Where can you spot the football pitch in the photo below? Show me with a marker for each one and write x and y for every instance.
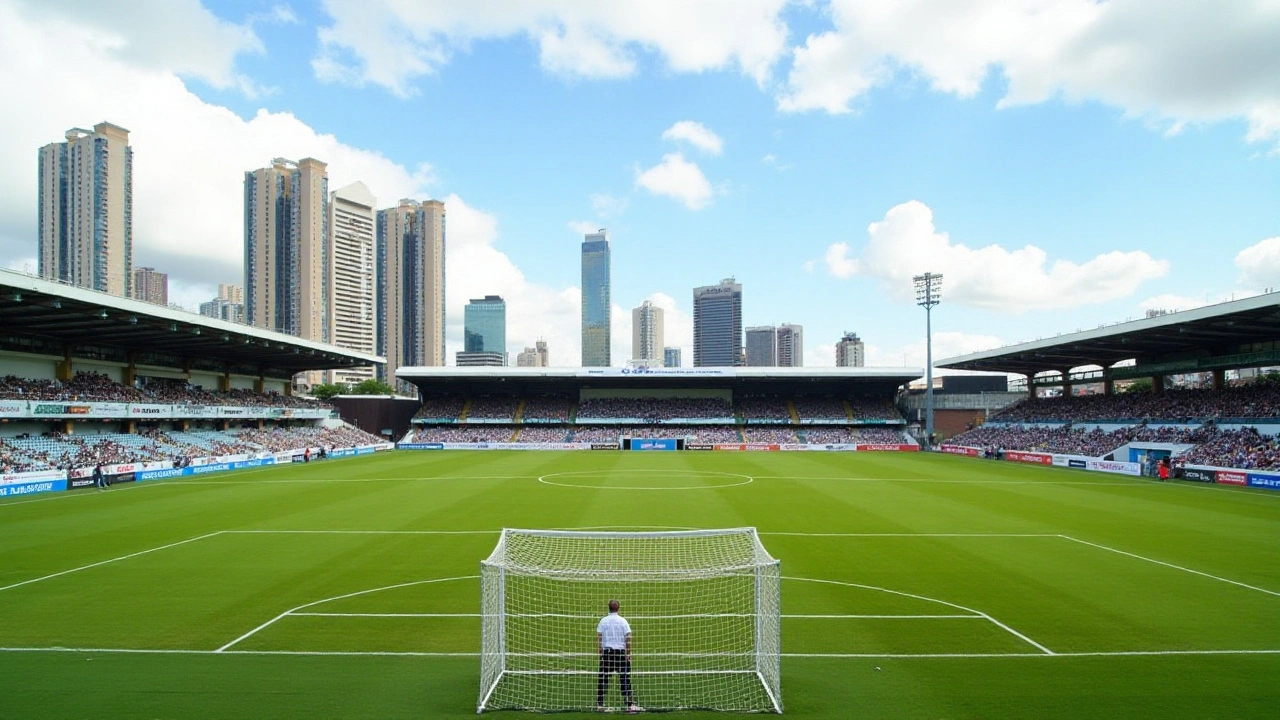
(915, 586)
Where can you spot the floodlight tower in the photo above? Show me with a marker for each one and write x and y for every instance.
(928, 294)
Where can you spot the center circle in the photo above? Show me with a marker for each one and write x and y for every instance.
(647, 480)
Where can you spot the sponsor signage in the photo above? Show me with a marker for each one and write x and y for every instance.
(1112, 466)
(162, 474)
(1198, 475)
(77, 483)
(697, 446)
(32, 476)
(653, 444)
(1231, 477)
(750, 447)
(889, 447)
(10, 408)
(1073, 462)
(1028, 457)
(154, 411)
(33, 488)
(421, 446)
(613, 446)
(1270, 482)
(48, 409)
(960, 450)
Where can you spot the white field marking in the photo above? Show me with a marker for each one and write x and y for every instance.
(1171, 565)
(411, 653)
(974, 481)
(746, 479)
(636, 617)
(67, 494)
(960, 535)
(184, 481)
(341, 597)
(1008, 629)
(362, 532)
(112, 560)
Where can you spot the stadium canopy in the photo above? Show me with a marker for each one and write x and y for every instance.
(1227, 336)
(46, 317)
(533, 381)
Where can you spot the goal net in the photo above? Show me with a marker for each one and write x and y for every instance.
(703, 605)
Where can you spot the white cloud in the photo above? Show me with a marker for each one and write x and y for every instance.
(1198, 62)
(170, 129)
(696, 134)
(678, 179)
(838, 261)
(946, 344)
(178, 36)
(906, 243)
(823, 355)
(1259, 264)
(392, 43)
(582, 227)
(28, 265)
(607, 205)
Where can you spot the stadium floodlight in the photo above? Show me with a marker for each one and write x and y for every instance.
(704, 608)
(928, 295)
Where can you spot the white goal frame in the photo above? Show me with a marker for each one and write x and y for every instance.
(706, 618)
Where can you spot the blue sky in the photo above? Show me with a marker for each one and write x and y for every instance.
(1064, 163)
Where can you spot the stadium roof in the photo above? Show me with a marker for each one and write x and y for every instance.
(63, 315)
(773, 379)
(1225, 335)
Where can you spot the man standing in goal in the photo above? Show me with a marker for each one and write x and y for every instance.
(614, 636)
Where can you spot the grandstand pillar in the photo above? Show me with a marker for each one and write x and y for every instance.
(131, 427)
(63, 371)
(1219, 379)
(1108, 385)
(1066, 382)
(130, 374)
(260, 384)
(224, 380)
(186, 368)
(1157, 384)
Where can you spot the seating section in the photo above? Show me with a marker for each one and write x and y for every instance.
(655, 409)
(1246, 401)
(96, 387)
(56, 451)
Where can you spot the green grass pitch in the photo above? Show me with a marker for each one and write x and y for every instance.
(245, 594)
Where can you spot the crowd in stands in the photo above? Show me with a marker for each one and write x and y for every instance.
(767, 408)
(1246, 449)
(1255, 400)
(464, 434)
(441, 407)
(831, 409)
(777, 435)
(492, 407)
(654, 409)
(543, 434)
(547, 407)
(865, 408)
(715, 434)
(57, 451)
(845, 435)
(97, 387)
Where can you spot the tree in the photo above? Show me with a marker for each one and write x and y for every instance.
(1138, 386)
(324, 391)
(372, 387)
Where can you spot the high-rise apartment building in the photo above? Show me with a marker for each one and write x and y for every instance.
(671, 357)
(790, 345)
(647, 335)
(762, 346)
(86, 210)
(150, 286)
(484, 332)
(850, 351)
(535, 356)
(229, 305)
(287, 250)
(717, 325)
(353, 323)
(597, 301)
(231, 293)
(411, 277)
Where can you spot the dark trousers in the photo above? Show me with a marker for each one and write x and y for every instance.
(614, 661)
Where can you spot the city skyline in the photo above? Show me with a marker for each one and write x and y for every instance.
(411, 276)
(1063, 175)
(597, 300)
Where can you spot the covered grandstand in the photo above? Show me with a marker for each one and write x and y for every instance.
(693, 408)
(1220, 412)
(90, 379)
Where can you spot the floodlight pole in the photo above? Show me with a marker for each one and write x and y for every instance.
(928, 294)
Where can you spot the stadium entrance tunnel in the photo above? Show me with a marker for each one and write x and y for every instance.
(646, 479)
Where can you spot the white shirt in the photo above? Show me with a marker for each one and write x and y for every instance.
(614, 631)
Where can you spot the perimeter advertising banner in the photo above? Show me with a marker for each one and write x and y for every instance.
(1198, 475)
(24, 478)
(652, 444)
(888, 447)
(1232, 477)
(960, 450)
(33, 488)
(1270, 482)
(750, 447)
(1034, 458)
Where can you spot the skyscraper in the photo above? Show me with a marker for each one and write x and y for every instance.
(671, 357)
(411, 277)
(850, 351)
(484, 332)
(229, 305)
(286, 248)
(354, 279)
(596, 299)
(790, 345)
(717, 325)
(762, 346)
(231, 293)
(533, 356)
(647, 333)
(150, 286)
(86, 210)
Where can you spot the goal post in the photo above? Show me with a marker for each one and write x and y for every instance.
(704, 608)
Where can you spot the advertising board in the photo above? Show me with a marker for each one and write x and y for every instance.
(1270, 482)
(1034, 458)
(888, 447)
(643, 444)
(751, 447)
(1112, 466)
(1199, 475)
(33, 488)
(1231, 477)
(960, 450)
(30, 477)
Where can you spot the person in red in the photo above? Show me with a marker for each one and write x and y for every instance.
(1164, 469)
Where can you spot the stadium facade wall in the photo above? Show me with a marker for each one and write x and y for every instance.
(1269, 480)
